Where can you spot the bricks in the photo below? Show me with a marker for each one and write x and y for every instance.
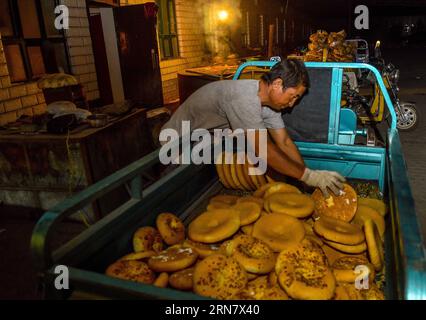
(25, 111)
(73, 32)
(69, 3)
(81, 3)
(77, 51)
(74, 22)
(78, 70)
(17, 100)
(169, 76)
(80, 44)
(90, 59)
(39, 109)
(87, 41)
(75, 42)
(92, 86)
(93, 77)
(84, 78)
(3, 70)
(29, 101)
(40, 98)
(92, 95)
(91, 68)
(78, 60)
(84, 32)
(5, 81)
(32, 88)
(18, 91)
(12, 105)
(77, 31)
(84, 22)
(7, 117)
(4, 94)
(82, 14)
(191, 48)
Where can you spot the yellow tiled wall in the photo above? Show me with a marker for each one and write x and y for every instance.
(27, 98)
(80, 47)
(17, 100)
(191, 45)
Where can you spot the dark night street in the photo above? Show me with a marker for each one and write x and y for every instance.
(413, 88)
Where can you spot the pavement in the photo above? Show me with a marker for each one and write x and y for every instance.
(18, 279)
(412, 65)
(413, 145)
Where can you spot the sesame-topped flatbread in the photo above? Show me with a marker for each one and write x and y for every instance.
(342, 207)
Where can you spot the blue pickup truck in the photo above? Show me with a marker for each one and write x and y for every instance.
(327, 140)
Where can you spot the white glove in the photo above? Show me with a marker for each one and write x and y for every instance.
(323, 180)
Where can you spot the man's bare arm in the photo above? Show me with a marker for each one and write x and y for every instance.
(279, 160)
(285, 143)
(282, 163)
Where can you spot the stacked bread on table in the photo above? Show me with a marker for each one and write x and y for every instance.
(274, 244)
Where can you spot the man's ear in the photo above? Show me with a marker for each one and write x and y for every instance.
(278, 83)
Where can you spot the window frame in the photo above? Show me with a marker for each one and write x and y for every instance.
(284, 32)
(18, 39)
(277, 31)
(246, 41)
(261, 30)
(167, 37)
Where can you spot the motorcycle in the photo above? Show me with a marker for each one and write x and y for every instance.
(374, 109)
(406, 112)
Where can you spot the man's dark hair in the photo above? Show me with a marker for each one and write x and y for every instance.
(291, 71)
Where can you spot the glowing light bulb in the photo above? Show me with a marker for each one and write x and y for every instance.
(223, 15)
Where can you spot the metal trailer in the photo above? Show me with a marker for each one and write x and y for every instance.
(186, 190)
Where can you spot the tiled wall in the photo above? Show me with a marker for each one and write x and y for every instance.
(191, 45)
(27, 98)
(16, 100)
(80, 47)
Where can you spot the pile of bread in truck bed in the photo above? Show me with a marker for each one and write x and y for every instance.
(276, 243)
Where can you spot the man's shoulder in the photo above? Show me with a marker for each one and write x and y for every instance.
(242, 83)
(233, 83)
(246, 89)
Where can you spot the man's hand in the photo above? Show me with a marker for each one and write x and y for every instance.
(323, 180)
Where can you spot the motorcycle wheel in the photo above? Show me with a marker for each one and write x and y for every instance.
(413, 117)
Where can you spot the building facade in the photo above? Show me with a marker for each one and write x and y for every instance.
(189, 35)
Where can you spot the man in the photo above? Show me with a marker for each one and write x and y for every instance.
(253, 104)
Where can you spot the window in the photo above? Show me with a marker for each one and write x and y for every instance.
(246, 30)
(277, 33)
(32, 45)
(261, 31)
(6, 27)
(284, 32)
(167, 29)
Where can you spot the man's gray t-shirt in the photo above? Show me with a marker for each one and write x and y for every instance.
(224, 104)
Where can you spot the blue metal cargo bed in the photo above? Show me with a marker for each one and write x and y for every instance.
(185, 191)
